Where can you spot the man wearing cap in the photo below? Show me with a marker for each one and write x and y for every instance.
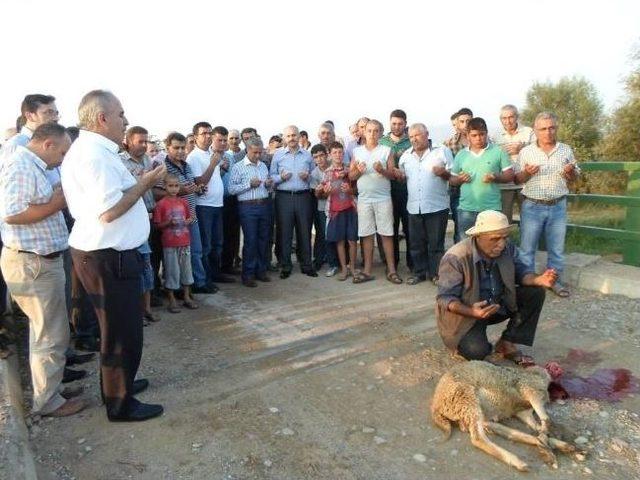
(482, 282)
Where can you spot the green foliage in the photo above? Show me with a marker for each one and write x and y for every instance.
(579, 109)
(622, 129)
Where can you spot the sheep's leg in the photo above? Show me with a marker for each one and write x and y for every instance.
(480, 440)
(538, 406)
(517, 436)
(526, 417)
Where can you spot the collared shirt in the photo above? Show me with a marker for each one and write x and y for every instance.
(548, 183)
(451, 281)
(428, 193)
(18, 140)
(137, 169)
(199, 161)
(240, 181)
(523, 135)
(456, 142)
(476, 195)
(23, 183)
(185, 175)
(231, 160)
(94, 180)
(318, 177)
(397, 148)
(373, 186)
(294, 163)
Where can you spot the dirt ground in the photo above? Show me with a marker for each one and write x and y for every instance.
(318, 379)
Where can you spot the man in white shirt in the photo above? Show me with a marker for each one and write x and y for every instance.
(111, 223)
(426, 171)
(513, 138)
(207, 164)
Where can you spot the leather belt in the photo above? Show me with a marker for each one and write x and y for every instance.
(292, 192)
(546, 202)
(257, 201)
(48, 255)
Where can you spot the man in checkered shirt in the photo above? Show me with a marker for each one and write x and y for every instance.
(35, 238)
(545, 167)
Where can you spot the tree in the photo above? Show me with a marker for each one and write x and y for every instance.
(621, 141)
(579, 109)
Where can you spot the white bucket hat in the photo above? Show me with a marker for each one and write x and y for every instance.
(489, 221)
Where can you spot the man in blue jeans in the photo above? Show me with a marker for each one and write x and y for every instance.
(209, 162)
(545, 167)
(251, 182)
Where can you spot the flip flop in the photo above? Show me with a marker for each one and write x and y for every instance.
(173, 309)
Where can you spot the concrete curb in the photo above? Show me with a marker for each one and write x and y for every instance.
(20, 463)
(592, 273)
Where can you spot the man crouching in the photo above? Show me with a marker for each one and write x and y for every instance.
(482, 281)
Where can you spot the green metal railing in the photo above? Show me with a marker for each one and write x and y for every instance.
(630, 235)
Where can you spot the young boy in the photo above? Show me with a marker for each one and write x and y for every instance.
(323, 251)
(171, 216)
(343, 217)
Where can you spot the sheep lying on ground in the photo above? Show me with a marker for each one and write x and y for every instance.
(478, 395)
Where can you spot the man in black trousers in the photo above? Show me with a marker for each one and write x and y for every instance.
(111, 223)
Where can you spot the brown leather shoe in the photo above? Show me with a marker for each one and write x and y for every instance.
(70, 407)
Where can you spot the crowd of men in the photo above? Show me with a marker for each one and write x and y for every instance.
(98, 224)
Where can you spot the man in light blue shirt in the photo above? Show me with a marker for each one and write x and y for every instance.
(291, 168)
(426, 171)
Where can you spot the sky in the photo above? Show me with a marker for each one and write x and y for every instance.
(269, 64)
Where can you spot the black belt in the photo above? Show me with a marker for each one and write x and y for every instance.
(292, 192)
(48, 255)
(257, 201)
(545, 202)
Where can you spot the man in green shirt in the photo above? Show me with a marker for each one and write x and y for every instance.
(398, 141)
(478, 169)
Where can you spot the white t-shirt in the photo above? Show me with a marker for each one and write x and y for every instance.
(94, 180)
(199, 161)
(373, 186)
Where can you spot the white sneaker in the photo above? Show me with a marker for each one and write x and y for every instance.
(331, 272)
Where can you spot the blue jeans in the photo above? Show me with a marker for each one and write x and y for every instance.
(466, 220)
(210, 221)
(256, 221)
(536, 219)
(199, 275)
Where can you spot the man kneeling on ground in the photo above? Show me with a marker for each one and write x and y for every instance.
(482, 281)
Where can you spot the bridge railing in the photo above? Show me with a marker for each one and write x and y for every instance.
(630, 234)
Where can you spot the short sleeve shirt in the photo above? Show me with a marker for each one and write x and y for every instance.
(548, 183)
(198, 160)
(176, 209)
(372, 186)
(477, 196)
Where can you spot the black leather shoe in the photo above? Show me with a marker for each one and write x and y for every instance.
(138, 412)
(88, 344)
(310, 273)
(73, 375)
(79, 358)
(211, 288)
(140, 385)
(285, 274)
(222, 278)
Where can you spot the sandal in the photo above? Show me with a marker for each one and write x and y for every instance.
(394, 278)
(362, 277)
(343, 276)
(191, 305)
(519, 358)
(173, 309)
(560, 290)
